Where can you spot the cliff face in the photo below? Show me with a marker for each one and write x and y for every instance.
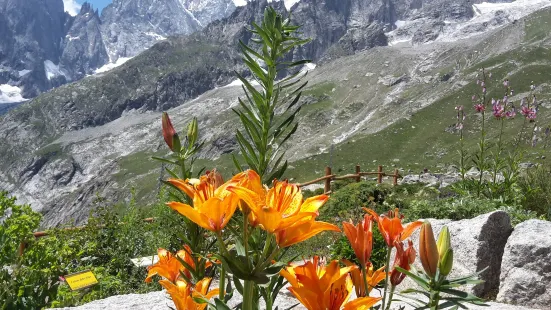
(83, 48)
(43, 47)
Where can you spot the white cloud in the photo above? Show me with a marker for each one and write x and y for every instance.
(71, 7)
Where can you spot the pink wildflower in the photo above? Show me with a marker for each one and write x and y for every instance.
(479, 108)
(498, 110)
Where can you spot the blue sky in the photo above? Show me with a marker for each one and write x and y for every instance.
(73, 6)
(97, 4)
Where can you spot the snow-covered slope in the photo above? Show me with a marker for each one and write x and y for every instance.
(487, 16)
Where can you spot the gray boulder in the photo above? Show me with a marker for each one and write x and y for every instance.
(526, 266)
(478, 243)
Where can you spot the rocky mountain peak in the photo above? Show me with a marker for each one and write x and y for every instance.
(88, 8)
(83, 48)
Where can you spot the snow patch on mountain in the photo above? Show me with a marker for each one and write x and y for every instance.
(53, 70)
(112, 65)
(156, 36)
(490, 16)
(71, 7)
(487, 16)
(288, 3)
(23, 72)
(9, 94)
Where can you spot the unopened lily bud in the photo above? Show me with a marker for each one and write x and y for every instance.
(192, 131)
(169, 133)
(428, 250)
(444, 242)
(446, 264)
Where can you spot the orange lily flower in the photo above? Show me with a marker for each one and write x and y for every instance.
(169, 267)
(403, 259)
(249, 179)
(373, 277)
(213, 205)
(361, 238)
(182, 293)
(301, 231)
(279, 207)
(363, 303)
(320, 287)
(390, 226)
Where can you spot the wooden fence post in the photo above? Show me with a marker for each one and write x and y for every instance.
(380, 174)
(327, 187)
(395, 181)
(359, 177)
(21, 249)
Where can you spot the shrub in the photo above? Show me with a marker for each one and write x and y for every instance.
(105, 246)
(29, 281)
(536, 187)
(348, 201)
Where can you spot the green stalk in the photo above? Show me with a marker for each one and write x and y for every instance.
(246, 237)
(269, 305)
(387, 268)
(462, 160)
(390, 296)
(222, 283)
(481, 160)
(434, 299)
(248, 292)
(364, 274)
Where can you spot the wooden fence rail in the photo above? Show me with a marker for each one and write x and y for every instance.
(326, 179)
(329, 176)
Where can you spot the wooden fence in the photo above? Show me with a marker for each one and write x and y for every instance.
(328, 177)
(40, 234)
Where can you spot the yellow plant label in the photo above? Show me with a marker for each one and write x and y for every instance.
(81, 280)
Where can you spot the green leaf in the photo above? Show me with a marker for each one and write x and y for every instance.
(423, 283)
(164, 160)
(220, 305)
(238, 285)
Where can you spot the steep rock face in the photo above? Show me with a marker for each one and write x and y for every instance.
(43, 47)
(130, 26)
(208, 11)
(83, 48)
(31, 34)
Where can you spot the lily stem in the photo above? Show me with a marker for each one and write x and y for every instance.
(246, 237)
(222, 285)
(387, 267)
(390, 296)
(364, 275)
(248, 292)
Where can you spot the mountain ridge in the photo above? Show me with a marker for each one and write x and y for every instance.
(109, 124)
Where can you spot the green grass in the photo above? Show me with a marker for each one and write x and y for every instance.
(422, 141)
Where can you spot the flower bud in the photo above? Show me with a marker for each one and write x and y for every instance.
(444, 242)
(192, 131)
(169, 133)
(428, 250)
(446, 263)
